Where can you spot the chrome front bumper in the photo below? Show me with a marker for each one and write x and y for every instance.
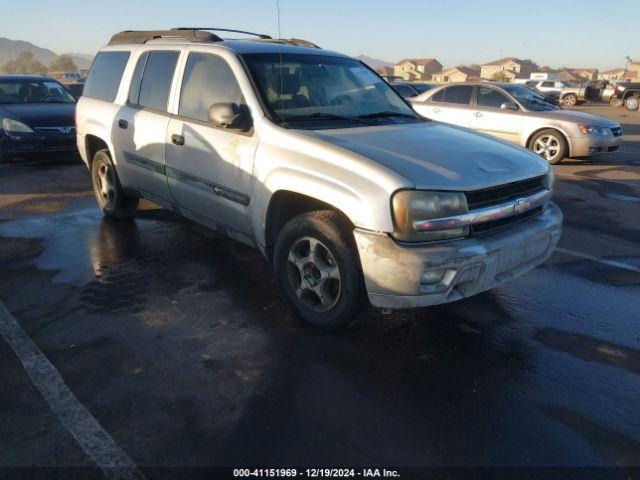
(587, 145)
(395, 273)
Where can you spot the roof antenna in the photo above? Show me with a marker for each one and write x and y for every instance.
(278, 10)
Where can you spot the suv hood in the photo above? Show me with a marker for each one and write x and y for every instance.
(437, 156)
(576, 116)
(40, 114)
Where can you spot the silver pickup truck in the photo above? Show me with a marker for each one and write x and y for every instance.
(311, 157)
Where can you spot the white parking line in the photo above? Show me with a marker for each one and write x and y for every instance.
(92, 438)
(604, 261)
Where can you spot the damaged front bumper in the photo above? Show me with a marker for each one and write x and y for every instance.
(408, 276)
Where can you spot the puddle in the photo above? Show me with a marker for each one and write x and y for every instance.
(77, 244)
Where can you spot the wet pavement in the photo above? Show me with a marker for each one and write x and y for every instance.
(177, 342)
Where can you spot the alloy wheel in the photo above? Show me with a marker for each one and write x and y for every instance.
(632, 103)
(547, 146)
(314, 274)
(106, 185)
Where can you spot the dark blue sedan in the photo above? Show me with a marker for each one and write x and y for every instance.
(36, 117)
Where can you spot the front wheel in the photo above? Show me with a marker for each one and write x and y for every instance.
(550, 145)
(570, 100)
(112, 200)
(318, 271)
(631, 103)
(616, 102)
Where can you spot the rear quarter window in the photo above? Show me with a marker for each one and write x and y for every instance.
(105, 75)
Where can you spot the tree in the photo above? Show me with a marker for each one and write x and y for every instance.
(500, 77)
(25, 63)
(63, 63)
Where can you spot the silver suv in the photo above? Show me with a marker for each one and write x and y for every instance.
(311, 157)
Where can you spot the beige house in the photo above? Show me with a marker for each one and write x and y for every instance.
(456, 74)
(585, 73)
(613, 74)
(634, 66)
(510, 67)
(417, 69)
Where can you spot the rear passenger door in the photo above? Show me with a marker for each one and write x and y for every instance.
(141, 124)
(450, 105)
(209, 169)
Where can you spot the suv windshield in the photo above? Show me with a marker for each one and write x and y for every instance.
(33, 91)
(317, 91)
(529, 98)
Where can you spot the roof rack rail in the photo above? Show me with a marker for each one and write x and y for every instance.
(143, 36)
(213, 29)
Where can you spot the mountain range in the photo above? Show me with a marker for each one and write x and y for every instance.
(10, 49)
(374, 62)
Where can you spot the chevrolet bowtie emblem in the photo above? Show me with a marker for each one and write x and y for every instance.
(521, 205)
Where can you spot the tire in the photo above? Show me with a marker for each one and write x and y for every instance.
(549, 144)
(631, 103)
(111, 198)
(318, 270)
(616, 102)
(569, 100)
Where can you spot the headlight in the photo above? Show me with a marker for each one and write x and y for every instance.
(412, 209)
(14, 126)
(549, 179)
(593, 129)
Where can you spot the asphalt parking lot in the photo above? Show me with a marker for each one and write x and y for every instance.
(174, 348)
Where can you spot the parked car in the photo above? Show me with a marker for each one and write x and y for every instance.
(311, 157)
(405, 90)
(36, 117)
(516, 113)
(67, 77)
(408, 90)
(627, 94)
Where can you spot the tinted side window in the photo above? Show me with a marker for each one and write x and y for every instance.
(438, 96)
(156, 80)
(459, 95)
(208, 79)
(105, 75)
(405, 91)
(134, 90)
(488, 97)
(547, 84)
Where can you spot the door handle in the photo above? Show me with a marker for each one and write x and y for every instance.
(478, 114)
(123, 124)
(177, 139)
(436, 110)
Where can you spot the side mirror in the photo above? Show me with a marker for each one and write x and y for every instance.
(230, 115)
(508, 106)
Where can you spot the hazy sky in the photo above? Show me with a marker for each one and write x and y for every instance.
(585, 33)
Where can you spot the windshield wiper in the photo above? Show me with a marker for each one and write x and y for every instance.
(386, 114)
(318, 116)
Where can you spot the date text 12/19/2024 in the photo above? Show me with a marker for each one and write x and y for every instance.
(315, 473)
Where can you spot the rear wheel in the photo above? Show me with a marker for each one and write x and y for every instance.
(570, 100)
(113, 201)
(318, 271)
(550, 145)
(631, 103)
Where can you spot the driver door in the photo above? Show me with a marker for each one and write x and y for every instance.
(209, 168)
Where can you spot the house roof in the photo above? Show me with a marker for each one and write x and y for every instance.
(635, 63)
(578, 70)
(417, 61)
(613, 70)
(461, 68)
(632, 74)
(505, 60)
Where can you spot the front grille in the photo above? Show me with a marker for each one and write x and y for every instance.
(503, 222)
(617, 131)
(62, 130)
(502, 193)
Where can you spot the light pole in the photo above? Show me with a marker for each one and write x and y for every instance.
(626, 66)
